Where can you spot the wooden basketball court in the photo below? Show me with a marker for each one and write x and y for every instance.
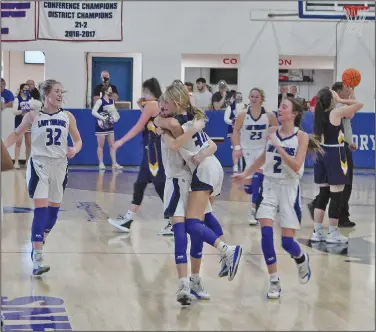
(107, 281)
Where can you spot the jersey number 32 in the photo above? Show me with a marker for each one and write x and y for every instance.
(53, 136)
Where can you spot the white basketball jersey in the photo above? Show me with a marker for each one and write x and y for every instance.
(274, 166)
(254, 131)
(199, 141)
(49, 135)
(174, 164)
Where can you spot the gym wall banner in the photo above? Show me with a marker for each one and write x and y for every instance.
(81, 21)
(18, 21)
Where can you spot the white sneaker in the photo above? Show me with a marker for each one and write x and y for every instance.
(232, 257)
(252, 219)
(274, 291)
(121, 223)
(223, 272)
(235, 168)
(16, 165)
(167, 230)
(197, 289)
(304, 270)
(117, 166)
(38, 267)
(183, 295)
(336, 237)
(318, 236)
(102, 166)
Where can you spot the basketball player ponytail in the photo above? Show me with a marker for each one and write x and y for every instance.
(324, 104)
(314, 146)
(197, 113)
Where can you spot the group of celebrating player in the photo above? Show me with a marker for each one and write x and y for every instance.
(179, 160)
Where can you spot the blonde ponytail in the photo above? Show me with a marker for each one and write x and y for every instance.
(179, 95)
(197, 113)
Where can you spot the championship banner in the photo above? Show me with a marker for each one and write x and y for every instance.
(81, 21)
(18, 21)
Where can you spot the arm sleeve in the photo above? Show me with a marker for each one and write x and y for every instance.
(227, 115)
(186, 126)
(96, 107)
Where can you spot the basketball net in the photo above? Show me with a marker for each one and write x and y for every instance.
(356, 17)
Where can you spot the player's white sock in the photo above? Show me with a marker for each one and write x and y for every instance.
(317, 227)
(332, 228)
(129, 215)
(222, 247)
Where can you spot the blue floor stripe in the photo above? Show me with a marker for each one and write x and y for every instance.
(361, 172)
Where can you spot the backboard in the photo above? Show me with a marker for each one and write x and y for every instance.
(332, 10)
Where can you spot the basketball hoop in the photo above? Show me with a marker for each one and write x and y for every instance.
(356, 16)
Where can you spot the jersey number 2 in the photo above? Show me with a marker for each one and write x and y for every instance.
(53, 136)
(278, 162)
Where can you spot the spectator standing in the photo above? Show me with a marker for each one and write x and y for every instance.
(34, 92)
(202, 98)
(312, 103)
(21, 107)
(298, 98)
(106, 113)
(189, 86)
(284, 93)
(221, 99)
(7, 97)
(294, 91)
(232, 111)
(105, 77)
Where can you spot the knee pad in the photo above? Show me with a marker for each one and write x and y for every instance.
(138, 192)
(52, 218)
(291, 246)
(190, 225)
(257, 180)
(197, 228)
(248, 189)
(335, 205)
(181, 243)
(213, 224)
(197, 244)
(322, 198)
(159, 188)
(267, 245)
(39, 223)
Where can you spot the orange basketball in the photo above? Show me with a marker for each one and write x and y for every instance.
(351, 77)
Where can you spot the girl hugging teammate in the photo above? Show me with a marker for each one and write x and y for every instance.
(207, 176)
